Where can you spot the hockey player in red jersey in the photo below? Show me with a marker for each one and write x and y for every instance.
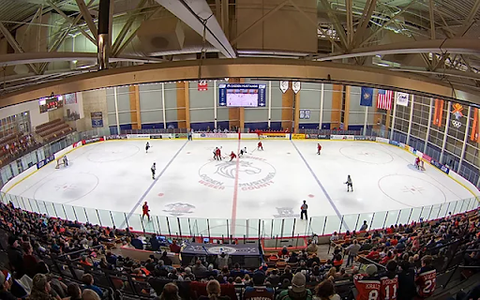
(417, 162)
(260, 146)
(319, 148)
(232, 156)
(145, 211)
(368, 285)
(218, 153)
(426, 278)
(389, 282)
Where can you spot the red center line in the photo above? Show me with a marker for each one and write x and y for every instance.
(235, 191)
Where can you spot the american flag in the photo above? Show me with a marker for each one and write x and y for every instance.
(384, 99)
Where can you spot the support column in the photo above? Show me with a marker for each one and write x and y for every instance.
(393, 118)
(447, 124)
(215, 101)
(296, 117)
(287, 108)
(322, 97)
(115, 99)
(430, 112)
(164, 112)
(412, 102)
(336, 106)
(234, 112)
(346, 112)
(365, 121)
(241, 114)
(134, 96)
(104, 36)
(465, 139)
(269, 121)
(183, 107)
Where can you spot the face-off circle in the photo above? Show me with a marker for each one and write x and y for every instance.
(410, 190)
(253, 173)
(65, 190)
(366, 154)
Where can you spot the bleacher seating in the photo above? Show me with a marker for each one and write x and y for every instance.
(72, 249)
(53, 130)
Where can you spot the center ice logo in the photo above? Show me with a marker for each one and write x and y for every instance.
(253, 173)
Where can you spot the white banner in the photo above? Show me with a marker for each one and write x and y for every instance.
(342, 137)
(138, 136)
(382, 140)
(284, 86)
(402, 98)
(296, 86)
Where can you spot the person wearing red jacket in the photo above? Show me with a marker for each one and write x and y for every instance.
(232, 156)
(260, 146)
(319, 148)
(146, 211)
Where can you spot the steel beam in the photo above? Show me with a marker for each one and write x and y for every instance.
(387, 23)
(460, 46)
(128, 24)
(11, 40)
(336, 23)
(470, 19)
(350, 32)
(198, 15)
(225, 18)
(88, 17)
(366, 16)
(61, 13)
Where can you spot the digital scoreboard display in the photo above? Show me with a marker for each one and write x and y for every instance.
(50, 103)
(242, 95)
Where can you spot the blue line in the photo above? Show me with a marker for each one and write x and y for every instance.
(153, 183)
(322, 187)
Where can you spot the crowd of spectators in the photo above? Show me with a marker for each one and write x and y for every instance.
(14, 146)
(401, 259)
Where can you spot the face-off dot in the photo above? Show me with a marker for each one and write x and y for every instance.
(311, 195)
(161, 194)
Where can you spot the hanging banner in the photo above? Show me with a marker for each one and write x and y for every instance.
(97, 119)
(304, 114)
(296, 86)
(284, 86)
(457, 109)
(202, 85)
(401, 98)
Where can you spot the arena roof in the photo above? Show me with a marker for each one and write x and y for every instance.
(45, 41)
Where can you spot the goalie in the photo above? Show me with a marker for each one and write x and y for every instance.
(419, 164)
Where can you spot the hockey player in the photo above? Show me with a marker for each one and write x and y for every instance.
(417, 163)
(147, 146)
(218, 153)
(242, 151)
(65, 161)
(260, 146)
(349, 183)
(319, 148)
(145, 211)
(153, 169)
(232, 156)
(215, 153)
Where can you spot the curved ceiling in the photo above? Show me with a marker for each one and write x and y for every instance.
(52, 43)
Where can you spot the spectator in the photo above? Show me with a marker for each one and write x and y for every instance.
(29, 260)
(287, 274)
(74, 292)
(89, 294)
(364, 226)
(367, 283)
(425, 278)
(284, 252)
(259, 290)
(154, 243)
(389, 282)
(198, 269)
(188, 275)
(352, 251)
(326, 291)
(15, 256)
(5, 285)
(170, 292)
(337, 262)
(40, 288)
(237, 271)
(214, 292)
(406, 279)
(174, 247)
(297, 291)
(312, 248)
(274, 278)
(222, 260)
(87, 280)
(137, 243)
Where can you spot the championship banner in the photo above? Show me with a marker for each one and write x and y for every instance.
(401, 98)
(284, 86)
(457, 109)
(202, 86)
(298, 136)
(296, 86)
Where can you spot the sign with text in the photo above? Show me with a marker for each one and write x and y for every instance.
(97, 119)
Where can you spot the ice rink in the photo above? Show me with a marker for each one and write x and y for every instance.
(115, 175)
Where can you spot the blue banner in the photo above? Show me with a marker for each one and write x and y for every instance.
(366, 97)
(440, 166)
(45, 161)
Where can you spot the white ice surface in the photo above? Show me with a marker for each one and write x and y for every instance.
(115, 175)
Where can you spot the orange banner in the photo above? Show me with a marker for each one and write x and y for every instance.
(474, 133)
(437, 117)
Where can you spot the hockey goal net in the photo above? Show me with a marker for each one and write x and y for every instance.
(62, 161)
